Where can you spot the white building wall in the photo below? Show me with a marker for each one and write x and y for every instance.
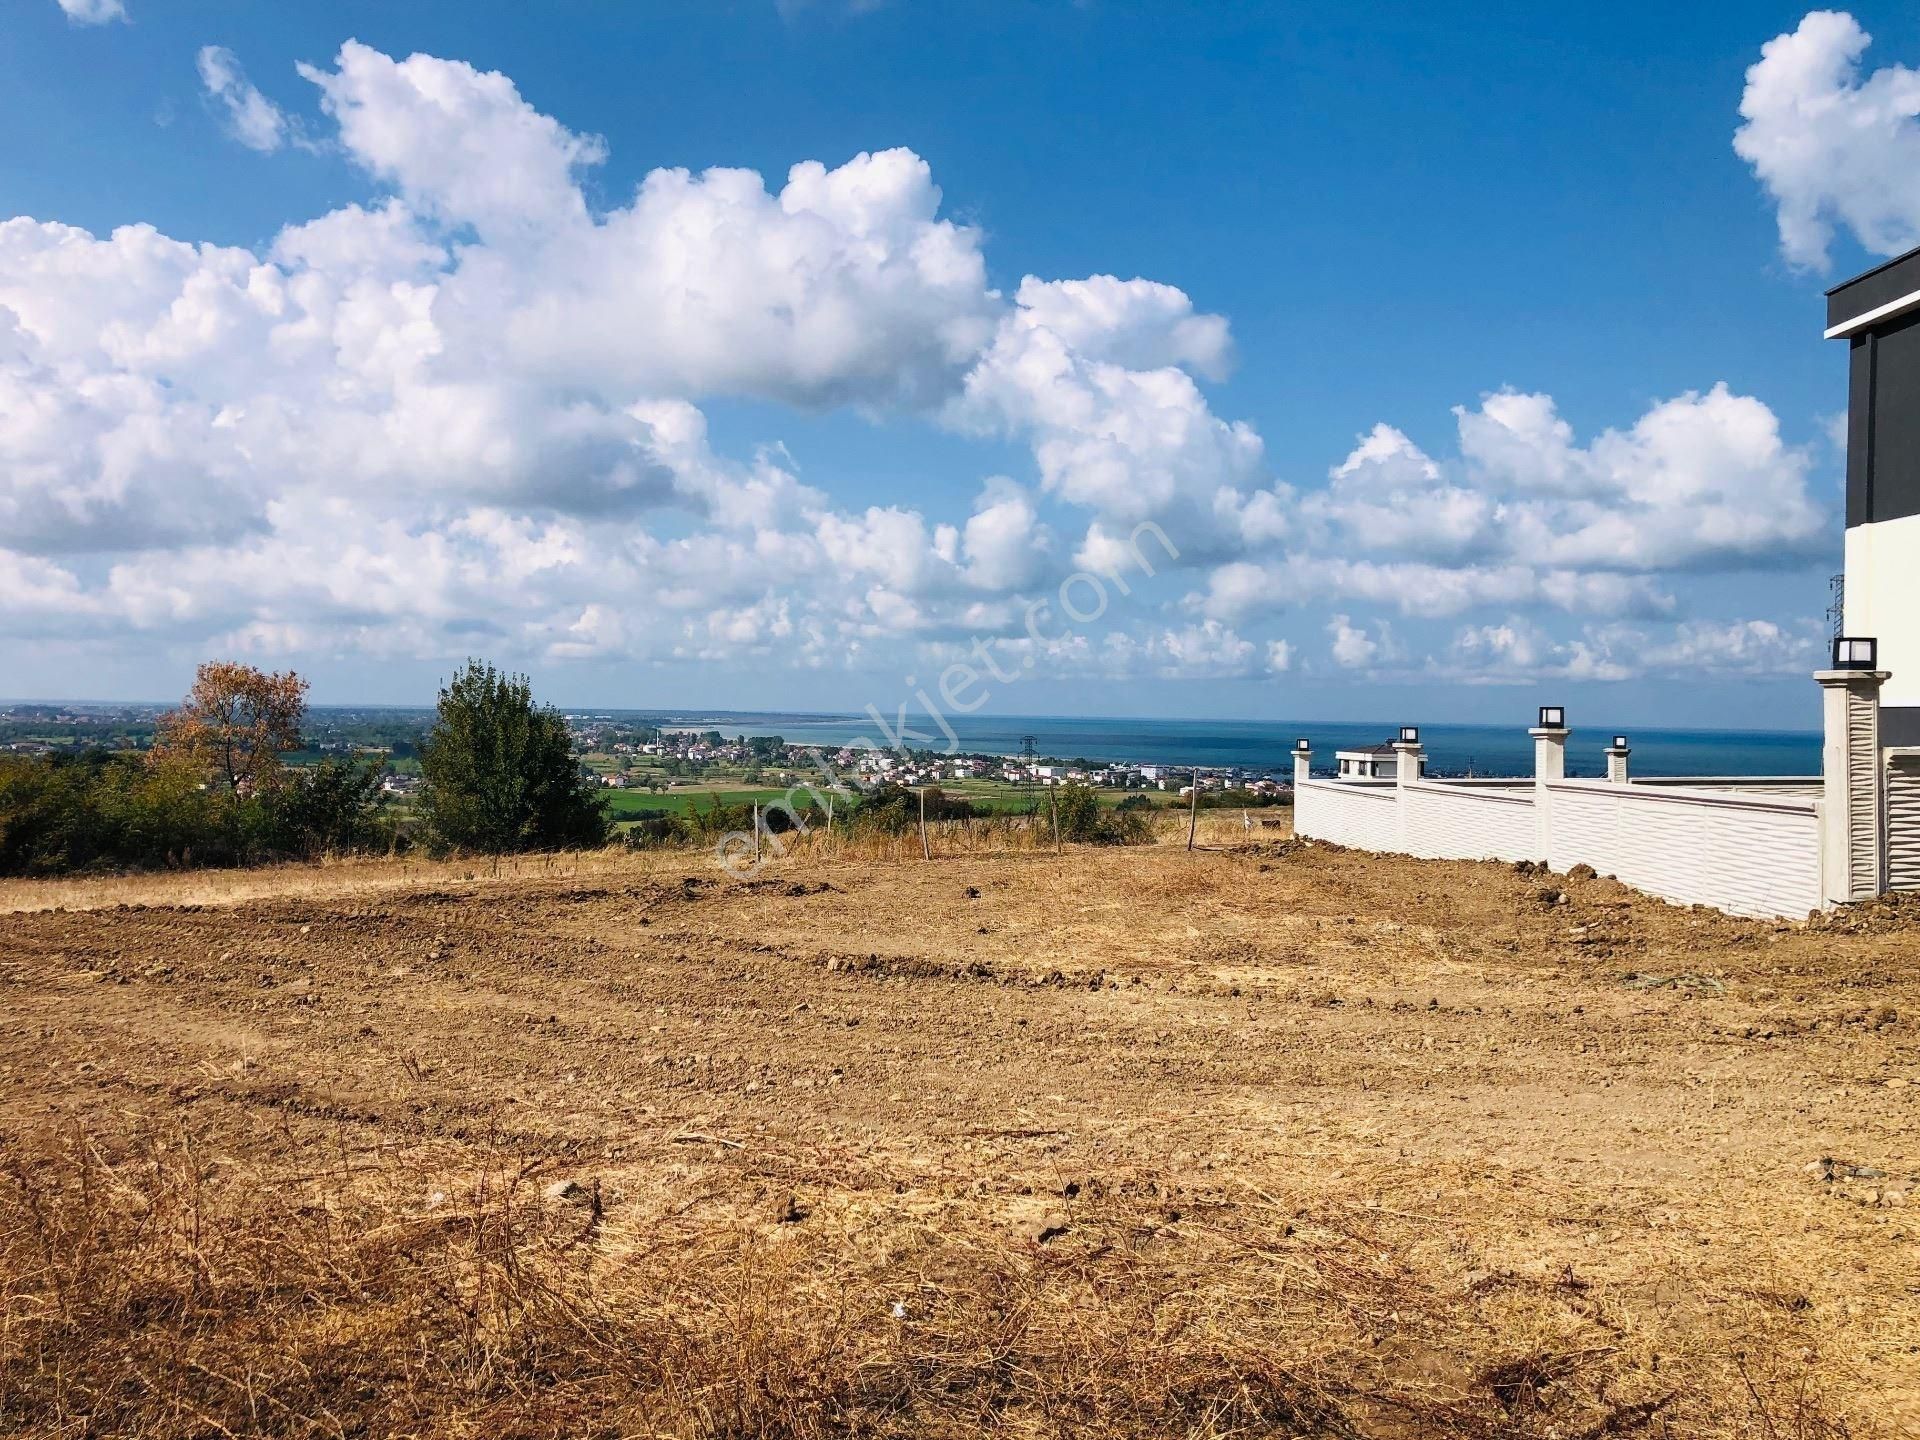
(1883, 596)
(1364, 765)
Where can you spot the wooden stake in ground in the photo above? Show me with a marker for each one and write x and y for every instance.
(1053, 804)
(829, 814)
(926, 852)
(1193, 810)
(756, 833)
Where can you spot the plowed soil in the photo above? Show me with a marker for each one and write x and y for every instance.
(1272, 1139)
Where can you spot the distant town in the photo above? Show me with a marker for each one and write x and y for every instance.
(660, 764)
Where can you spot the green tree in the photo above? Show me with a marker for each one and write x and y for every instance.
(1079, 811)
(500, 771)
(95, 811)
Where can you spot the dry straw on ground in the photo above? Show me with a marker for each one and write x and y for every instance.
(1255, 1141)
(162, 1291)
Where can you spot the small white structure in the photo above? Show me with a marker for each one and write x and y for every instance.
(1372, 762)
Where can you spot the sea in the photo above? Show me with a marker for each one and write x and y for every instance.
(1260, 747)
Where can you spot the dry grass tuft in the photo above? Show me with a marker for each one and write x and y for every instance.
(161, 1291)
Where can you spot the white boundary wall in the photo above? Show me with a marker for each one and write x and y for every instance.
(1461, 822)
(1362, 813)
(1756, 853)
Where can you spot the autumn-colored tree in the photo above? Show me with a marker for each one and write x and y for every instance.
(234, 726)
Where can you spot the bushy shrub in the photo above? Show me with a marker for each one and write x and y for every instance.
(708, 824)
(97, 811)
(1082, 818)
(893, 809)
(329, 808)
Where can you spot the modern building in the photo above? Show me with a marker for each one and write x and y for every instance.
(1878, 315)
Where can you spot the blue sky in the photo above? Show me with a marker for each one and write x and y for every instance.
(1462, 360)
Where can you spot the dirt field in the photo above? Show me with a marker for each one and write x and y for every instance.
(1263, 1140)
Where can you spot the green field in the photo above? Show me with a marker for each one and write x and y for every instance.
(625, 804)
(1002, 796)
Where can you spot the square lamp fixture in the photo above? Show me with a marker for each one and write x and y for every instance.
(1409, 734)
(1853, 652)
(1553, 717)
(1619, 742)
(1301, 744)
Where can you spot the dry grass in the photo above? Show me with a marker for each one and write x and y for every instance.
(1262, 1141)
(336, 878)
(363, 875)
(161, 1291)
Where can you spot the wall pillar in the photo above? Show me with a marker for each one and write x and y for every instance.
(1406, 770)
(1617, 761)
(1407, 756)
(1302, 763)
(1853, 839)
(1549, 763)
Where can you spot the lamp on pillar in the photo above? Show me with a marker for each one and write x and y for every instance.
(1550, 743)
(1853, 836)
(1302, 760)
(1408, 762)
(1617, 754)
(1855, 652)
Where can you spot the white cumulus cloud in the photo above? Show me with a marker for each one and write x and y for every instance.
(1833, 147)
(468, 411)
(1350, 645)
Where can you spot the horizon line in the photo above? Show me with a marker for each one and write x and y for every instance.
(1290, 722)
